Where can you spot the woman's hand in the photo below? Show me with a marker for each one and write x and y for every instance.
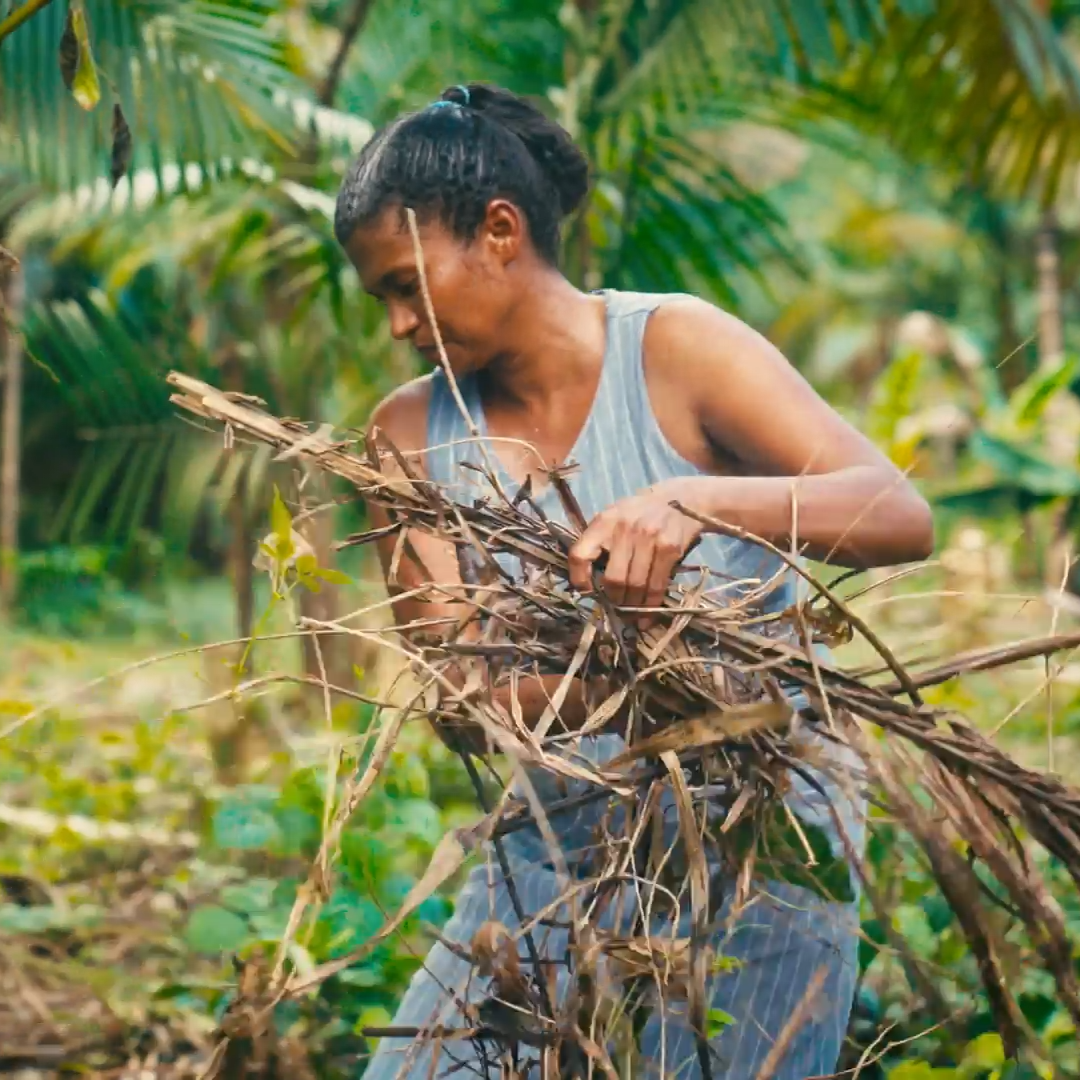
(644, 537)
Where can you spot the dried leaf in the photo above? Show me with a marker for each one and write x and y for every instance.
(495, 953)
(318, 442)
(730, 672)
(735, 722)
(69, 48)
(121, 145)
(657, 958)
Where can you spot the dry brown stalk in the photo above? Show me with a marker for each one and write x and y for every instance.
(711, 730)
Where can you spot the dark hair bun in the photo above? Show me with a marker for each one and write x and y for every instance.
(561, 162)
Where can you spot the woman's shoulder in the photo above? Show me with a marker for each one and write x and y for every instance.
(677, 316)
(402, 415)
(693, 330)
(629, 302)
(696, 359)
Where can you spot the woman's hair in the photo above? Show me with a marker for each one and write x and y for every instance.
(449, 160)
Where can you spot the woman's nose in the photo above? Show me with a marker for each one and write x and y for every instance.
(403, 321)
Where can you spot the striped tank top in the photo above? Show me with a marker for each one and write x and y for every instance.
(620, 451)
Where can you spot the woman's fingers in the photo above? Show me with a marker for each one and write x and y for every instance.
(642, 554)
(637, 579)
(617, 571)
(663, 566)
(592, 543)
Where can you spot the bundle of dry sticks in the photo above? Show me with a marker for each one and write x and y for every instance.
(702, 700)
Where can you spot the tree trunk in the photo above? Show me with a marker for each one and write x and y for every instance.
(11, 300)
(235, 725)
(242, 540)
(350, 31)
(318, 530)
(1012, 355)
(1062, 424)
(1048, 269)
(241, 560)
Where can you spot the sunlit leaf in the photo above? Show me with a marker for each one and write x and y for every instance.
(305, 564)
(1028, 402)
(894, 400)
(1023, 467)
(920, 1070)
(715, 1022)
(981, 1055)
(281, 523)
(334, 577)
(84, 87)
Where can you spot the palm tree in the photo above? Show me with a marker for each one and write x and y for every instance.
(201, 94)
(652, 88)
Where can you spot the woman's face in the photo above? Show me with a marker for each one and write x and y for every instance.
(468, 282)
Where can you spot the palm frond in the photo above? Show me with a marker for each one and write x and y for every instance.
(986, 89)
(189, 283)
(670, 214)
(200, 83)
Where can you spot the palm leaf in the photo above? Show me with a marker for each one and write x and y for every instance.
(987, 89)
(200, 83)
(673, 216)
(188, 284)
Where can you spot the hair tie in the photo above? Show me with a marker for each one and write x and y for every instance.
(443, 103)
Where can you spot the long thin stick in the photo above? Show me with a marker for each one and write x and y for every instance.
(794, 1022)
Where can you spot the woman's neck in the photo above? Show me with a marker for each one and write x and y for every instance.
(556, 344)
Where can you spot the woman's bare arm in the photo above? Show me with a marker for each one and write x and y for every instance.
(813, 479)
(427, 561)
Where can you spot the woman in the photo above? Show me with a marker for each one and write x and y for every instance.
(657, 399)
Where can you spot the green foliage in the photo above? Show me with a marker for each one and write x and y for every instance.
(212, 930)
(1010, 448)
(716, 1020)
(202, 84)
(76, 591)
(889, 998)
(1029, 401)
(937, 93)
(231, 896)
(241, 826)
(190, 293)
(83, 81)
(215, 260)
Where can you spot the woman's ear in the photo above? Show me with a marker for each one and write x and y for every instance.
(504, 230)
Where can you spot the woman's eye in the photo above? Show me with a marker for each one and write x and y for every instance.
(409, 288)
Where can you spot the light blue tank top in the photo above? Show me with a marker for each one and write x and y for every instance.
(620, 451)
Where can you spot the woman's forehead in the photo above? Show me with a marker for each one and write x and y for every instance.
(385, 245)
(381, 247)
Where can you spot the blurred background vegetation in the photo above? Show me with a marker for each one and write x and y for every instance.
(887, 188)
